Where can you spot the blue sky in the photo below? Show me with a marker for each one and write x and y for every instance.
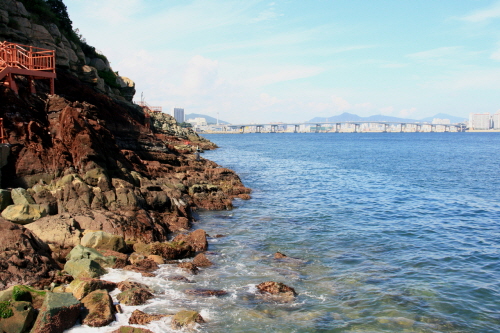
(293, 60)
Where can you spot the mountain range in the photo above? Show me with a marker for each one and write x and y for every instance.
(353, 117)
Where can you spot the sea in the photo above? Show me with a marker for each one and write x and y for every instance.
(384, 232)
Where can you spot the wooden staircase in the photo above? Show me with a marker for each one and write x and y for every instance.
(33, 62)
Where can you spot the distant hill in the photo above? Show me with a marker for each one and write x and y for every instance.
(210, 120)
(353, 117)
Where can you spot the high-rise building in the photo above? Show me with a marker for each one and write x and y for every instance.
(496, 120)
(179, 115)
(480, 121)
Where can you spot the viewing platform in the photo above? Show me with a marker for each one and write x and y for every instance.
(33, 62)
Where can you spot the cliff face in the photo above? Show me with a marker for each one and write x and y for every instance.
(90, 161)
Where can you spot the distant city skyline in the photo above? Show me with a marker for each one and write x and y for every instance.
(288, 59)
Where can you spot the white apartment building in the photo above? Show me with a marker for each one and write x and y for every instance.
(480, 121)
(197, 121)
(496, 120)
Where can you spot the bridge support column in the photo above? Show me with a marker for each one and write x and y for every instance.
(385, 128)
(357, 128)
(318, 127)
(242, 129)
(296, 130)
(337, 127)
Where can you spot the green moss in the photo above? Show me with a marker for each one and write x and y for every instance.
(20, 293)
(6, 310)
(110, 78)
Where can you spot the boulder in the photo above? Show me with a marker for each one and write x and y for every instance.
(186, 319)
(59, 312)
(134, 296)
(188, 267)
(21, 197)
(167, 250)
(105, 241)
(84, 268)
(82, 252)
(140, 318)
(16, 317)
(99, 310)
(24, 258)
(179, 278)
(197, 239)
(277, 291)
(201, 260)
(127, 284)
(279, 255)
(24, 213)
(82, 287)
(61, 231)
(143, 266)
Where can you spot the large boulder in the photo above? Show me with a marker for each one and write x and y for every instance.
(61, 230)
(167, 250)
(24, 258)
(82, 252)
(104, 241)
(197, 239)
(84, 268)
(130, 329)
(99, 310)
(21, 197)
(82, 287)
(59, 312)
(24, 213)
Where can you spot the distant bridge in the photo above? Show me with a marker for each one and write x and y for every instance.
(343, 126)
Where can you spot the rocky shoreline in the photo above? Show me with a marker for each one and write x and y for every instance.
(92, 181)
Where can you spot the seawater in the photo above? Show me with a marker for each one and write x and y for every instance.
(392, 232)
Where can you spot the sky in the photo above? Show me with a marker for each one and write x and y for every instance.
(251, 61)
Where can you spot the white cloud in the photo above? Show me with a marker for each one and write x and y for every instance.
(386, 111)
(481, 15)
(407, 112)
(340, 104)
(288, 74)
(437, 53)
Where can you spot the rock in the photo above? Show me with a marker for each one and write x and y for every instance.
(167, 250)
(205, 292)
(24, 258)
(188, 267)
(157, 259)
(82, 287)
(59, 312)
(16, 317)
(179, 278)
(84, 268)
(127, 284)
(61, 231)
(134, 296)
(21, 197)
(279, 255)
(201, 260)
(143, 266)
(105, 241)
(136, 257)
(186, 319)
(197, 239)
(282, 291)
(99, 309)
(130, 329)
(81, 252)
(140, 318)
(24, 213)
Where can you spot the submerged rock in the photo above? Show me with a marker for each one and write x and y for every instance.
(188, 267)
(205, 292)
(201, 260)
(130, 329)
(277, 291)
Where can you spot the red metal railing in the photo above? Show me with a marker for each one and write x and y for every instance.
(26, 57)
(33, 62)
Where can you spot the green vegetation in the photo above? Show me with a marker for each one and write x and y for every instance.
(5, 310)
(21, 293)
(185, 125)
(109, 77)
